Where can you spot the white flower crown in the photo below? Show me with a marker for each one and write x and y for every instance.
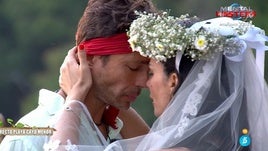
(157, 36)
(160, 36)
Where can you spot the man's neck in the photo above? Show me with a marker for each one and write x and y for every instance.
(95, 107)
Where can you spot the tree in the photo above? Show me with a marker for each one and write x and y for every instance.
(29, 29)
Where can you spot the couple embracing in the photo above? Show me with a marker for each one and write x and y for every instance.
(202, 79)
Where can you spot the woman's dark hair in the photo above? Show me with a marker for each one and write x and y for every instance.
(185, 66)
(103, 18)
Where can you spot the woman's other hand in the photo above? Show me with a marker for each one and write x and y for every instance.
(75, 76)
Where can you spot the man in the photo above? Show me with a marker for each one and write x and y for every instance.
(118, 74)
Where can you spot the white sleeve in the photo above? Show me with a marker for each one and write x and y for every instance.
(67, 125)
(75, 130)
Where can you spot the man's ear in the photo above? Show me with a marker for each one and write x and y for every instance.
(91, 60)
(173, 82)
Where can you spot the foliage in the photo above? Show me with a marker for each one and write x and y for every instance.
(28, 29)
(17, 125)
(48, 78)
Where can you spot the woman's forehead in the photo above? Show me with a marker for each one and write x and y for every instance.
(154, 63)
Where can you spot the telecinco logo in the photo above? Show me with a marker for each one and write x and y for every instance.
(244, 140)
(236, 11)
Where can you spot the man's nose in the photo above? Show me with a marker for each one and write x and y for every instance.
(141, 80)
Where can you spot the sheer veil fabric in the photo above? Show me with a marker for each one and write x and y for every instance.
(219, 98)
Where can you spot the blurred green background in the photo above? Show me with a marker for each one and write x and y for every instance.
(36, 35)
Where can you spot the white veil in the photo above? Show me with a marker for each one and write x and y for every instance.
(219, 98)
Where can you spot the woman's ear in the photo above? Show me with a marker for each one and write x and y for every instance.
(173, 82)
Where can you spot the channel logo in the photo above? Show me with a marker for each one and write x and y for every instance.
(244, 140)
(236, 11)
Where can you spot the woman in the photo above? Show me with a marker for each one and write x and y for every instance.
(223, 102)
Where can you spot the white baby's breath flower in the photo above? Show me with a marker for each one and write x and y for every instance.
(134, 38)
(179, 47)
(161, 36)
(159, 46)
(132, 44)
(158, 36)
(160, 58)
(138, 49)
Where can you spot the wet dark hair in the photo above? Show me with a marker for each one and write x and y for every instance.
(104, 18)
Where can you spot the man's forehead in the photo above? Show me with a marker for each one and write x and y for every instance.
(137, 58)
(134, 58)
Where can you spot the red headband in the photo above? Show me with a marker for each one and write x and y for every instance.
(117, 44)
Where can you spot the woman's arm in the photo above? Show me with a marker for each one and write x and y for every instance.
(134, 125)
(75, 81)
